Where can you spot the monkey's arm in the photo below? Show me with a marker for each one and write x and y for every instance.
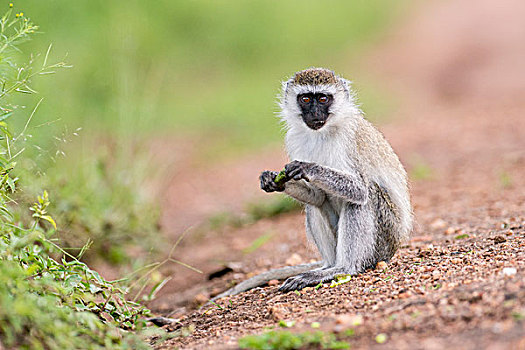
(265, 277)
(337, 183)
(299, 190)
(305, 193)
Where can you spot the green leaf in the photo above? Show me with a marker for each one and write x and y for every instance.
(49, 219)
(72, 280)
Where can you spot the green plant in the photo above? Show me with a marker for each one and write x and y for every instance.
(102, 199)
(98, 196)
(57, 303)
(340, 279)
(257, 243)
(48, 298)
(287, 340)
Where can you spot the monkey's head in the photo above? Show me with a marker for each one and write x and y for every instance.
(316, 98)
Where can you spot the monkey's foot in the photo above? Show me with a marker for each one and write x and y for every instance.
(310, 278)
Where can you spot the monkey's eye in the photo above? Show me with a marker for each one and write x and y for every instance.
(305, 99)
(323, 99)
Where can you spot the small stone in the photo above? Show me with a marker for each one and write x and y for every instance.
(215, 291)
(278, 313)
(294, 259)
(381, 265)
(499, 239)
(509, 271)
(338, 328)
(404, 295)
(421, 239)
(450, 230)
(436, 274)
(201, 298)
(273, 282)
(438, 224)
(349, 320)
(238, 276)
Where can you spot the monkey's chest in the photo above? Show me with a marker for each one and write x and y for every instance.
(316, 149)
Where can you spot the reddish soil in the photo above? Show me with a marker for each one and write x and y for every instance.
(458, 69)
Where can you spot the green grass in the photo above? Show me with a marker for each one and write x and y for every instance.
(286, 340)
(258, 242)
(104, 196)
(48, 298)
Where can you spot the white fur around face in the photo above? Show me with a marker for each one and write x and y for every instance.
(328, 145)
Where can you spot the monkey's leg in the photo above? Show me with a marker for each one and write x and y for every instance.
(321, 226)
(389, 226)
(356, 244)
(355, 249)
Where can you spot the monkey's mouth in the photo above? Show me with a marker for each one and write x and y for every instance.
(316, 125)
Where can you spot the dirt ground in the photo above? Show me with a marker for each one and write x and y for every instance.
(458, 70)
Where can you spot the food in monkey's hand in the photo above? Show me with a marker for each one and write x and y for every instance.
(280, 177)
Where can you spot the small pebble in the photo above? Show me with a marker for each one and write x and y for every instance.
(349, 320)
(381, 265)
(509, 271)
(438, 224)
(450, 230)
(499, 239)
(201, 298)
(295, 259)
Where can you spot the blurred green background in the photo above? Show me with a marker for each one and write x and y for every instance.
(206, 67)
(168, 70)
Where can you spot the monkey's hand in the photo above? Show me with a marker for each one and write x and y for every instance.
(268, 184)
(298, 170)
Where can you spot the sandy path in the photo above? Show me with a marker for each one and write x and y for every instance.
(458, 67)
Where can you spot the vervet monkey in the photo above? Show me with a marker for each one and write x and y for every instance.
(352, 183)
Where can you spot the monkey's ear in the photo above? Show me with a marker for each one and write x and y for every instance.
(347, 87)
(286, 85)
(347, 84)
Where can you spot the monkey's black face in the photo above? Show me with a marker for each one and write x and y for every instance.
(315, 109)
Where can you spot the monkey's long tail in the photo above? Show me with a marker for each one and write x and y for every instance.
(265, 277)
(256, 281)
